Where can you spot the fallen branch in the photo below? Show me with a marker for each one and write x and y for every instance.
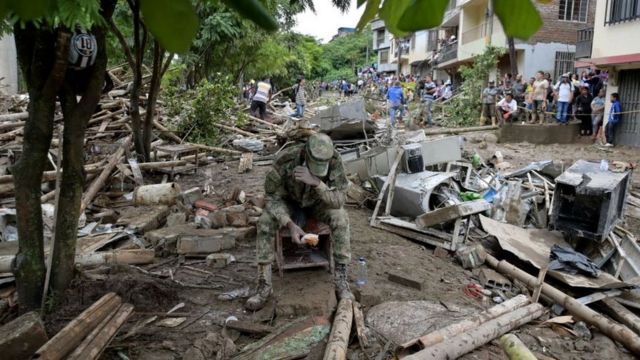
(98, 183)
(460, 130)
(14, 116)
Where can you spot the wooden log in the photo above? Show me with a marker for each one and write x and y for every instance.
(515, 349)
(246, 162)
(236, 130)
(361, 330)
(14, 116)
(474, 338)
(339, 338)
(622, 314)
(95, 343)
(11, 126)
(98, 183)
(217, 149)
(472, 322)
(71, 335)
(22, 337)
(247, 327)
(277, 127)
(11, 134)
(130, 257)
(612, 329)
(164, 132)
(460, 130)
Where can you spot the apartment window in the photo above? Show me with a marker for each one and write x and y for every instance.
(573, 10)
(380, 37)
(413, 41)
(622, 10)
(565, 62)
(384, 56)
(432, 44)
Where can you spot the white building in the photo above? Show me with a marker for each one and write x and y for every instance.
(8, 65)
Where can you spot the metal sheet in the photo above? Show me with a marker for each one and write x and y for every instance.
(534, 246)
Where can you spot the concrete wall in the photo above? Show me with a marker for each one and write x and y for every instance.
(418, 50)
(540, 56)
(8, 65)
(614, 39)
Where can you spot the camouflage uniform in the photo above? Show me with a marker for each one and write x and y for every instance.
(324, 202)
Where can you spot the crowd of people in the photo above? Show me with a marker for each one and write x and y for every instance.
(540, 100)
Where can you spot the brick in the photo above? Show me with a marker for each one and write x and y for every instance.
(201, 204)
(237, 219)
(218, 219)
(219, 260)
(177, 218)
(441, 252)
(405, 280)
(204, 244)
(22, 337)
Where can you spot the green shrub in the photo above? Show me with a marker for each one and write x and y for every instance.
(194, 112)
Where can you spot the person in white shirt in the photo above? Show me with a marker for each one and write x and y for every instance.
(508, 108)
(261, 98)
(564, 95)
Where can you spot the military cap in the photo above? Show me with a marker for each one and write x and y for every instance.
(319, 149)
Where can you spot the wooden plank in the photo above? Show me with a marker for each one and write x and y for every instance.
(358, 320)
(622, 314)
(394, 167)
(248, 327)
(425, 239)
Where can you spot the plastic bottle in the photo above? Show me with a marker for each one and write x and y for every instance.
(362, 272)
(604, 165)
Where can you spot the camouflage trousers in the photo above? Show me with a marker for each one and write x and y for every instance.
(337, 219)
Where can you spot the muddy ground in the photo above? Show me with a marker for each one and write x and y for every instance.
(153, 292)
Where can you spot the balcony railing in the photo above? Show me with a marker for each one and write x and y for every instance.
(584, 43)
(475, 33)
(449, 52)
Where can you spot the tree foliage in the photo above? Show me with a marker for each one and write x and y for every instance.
(465, 107)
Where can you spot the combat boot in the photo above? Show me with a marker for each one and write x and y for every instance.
(264, 291)
(341, 282)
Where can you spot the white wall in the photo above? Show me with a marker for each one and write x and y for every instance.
(8, 65)
(614, 39)
(540, 56)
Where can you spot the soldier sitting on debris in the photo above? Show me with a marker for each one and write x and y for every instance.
(307, 178)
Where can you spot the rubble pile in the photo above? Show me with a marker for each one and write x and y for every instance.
(175, 229)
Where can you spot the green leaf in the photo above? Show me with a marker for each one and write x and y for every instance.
(254, 11)
(369, 13)
(391, 13)
(520, 18)
(173, 22)
(360, 2)
(29, 10)
(423, 14)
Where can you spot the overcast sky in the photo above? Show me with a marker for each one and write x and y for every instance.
(327, 19)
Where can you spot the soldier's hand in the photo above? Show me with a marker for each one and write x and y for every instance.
(296, 233)
(302, 174)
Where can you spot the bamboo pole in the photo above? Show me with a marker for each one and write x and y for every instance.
(59, 346)
(217, 149)
(339, 338)
(622, 314)
(236, 130)
(277, 127)
(474, 321)
(166, 132)
(614, 330)
(515, 349)
(98, 183)
(95, 343)
(474, 338)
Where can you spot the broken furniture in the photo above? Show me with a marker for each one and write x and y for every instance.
(344, 121)
(588, 202)
(176, 152)
(457, 213)
(291, 256)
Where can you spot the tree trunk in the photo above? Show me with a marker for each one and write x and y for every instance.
(43, 64)
(513, 61)
(76, 116)
(138, 51)
(154, 88)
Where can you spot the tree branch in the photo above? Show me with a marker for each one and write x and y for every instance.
(123, 43)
